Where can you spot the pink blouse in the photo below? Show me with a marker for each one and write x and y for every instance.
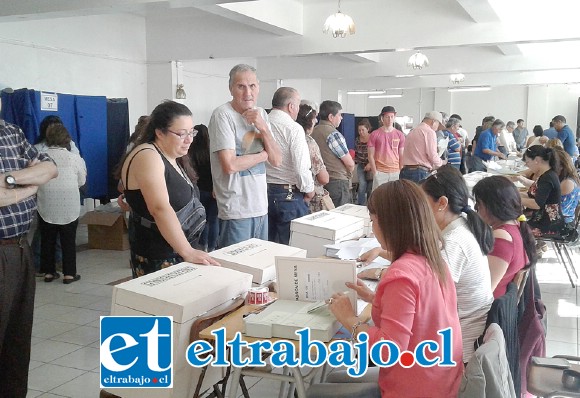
(410, 306)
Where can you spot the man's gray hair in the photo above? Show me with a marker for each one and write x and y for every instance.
(510, 124)
(283, 96)
(452, 122)
(240, 68)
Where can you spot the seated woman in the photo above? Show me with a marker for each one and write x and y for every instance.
(538, 138)
(467, 242)
(307, 119)
(415, 297)
(569, 186)
(498, 202)
(544, 195)
(158, 181)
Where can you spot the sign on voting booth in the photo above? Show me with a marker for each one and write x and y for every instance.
(313, 231)
(184, 291)
(256, 257)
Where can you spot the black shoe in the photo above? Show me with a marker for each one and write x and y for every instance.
(68, 281)
(51, 277)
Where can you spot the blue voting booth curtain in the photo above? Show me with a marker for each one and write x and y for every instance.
(347, 128)
(84, 117)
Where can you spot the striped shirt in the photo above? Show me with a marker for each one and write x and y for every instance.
(470, 272)
(453, 156)
(16, 153)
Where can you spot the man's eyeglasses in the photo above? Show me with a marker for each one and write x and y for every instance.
(191, 134)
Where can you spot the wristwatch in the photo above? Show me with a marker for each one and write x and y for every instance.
(378, 273)
(10, 181)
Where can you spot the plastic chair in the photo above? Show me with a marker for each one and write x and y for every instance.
(562, 247)
(200, 324)
(547, 382)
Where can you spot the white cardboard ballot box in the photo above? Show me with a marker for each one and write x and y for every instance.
(283, 318)
(313, 231)
(357, 211)
(185, 291)
(256, 257)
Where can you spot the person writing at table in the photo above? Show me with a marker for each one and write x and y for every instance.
(544, 196)
(157, 178)
(498, 202)
(415, 297)
(486, 146)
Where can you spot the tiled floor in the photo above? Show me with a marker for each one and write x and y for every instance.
(65, 351)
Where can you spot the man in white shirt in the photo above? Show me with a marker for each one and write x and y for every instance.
(290, 184)
(240, 144)
(506, 139)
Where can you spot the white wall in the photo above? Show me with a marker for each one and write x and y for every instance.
(93, 55)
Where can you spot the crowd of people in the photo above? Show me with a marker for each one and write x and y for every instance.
(191, 189)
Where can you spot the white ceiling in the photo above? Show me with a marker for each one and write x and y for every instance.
(493, 42)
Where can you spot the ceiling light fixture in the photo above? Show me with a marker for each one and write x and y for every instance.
(457, 78)
(385, 96)
(418, 60)
(339, 24)
(357, 92)
(473, 88)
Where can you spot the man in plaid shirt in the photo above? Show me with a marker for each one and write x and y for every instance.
(22, 170)
(334, 151)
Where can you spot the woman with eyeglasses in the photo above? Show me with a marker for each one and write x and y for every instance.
(159, 182)
(467, 241)
(544, 195)
(415, 297)
(498, 203)
(307, 119)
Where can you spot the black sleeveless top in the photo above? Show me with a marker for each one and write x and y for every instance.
(148, 242)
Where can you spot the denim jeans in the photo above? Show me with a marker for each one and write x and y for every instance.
(364, 186)
(282, 209)
(413, 174)
(236, 231)
(209, 237)
(477, 164)
(339, 191)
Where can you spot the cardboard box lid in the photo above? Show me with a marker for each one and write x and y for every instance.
(354, 210)
(328, 225)
(255, 253)
(184, 291)
(101, 218)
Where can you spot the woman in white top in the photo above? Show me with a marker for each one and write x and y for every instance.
(59, 206)
(467, 240)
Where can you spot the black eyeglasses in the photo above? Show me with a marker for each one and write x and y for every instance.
(191, 134)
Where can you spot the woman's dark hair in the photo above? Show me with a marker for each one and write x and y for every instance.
(502, 200)
(407, 223)
(364, 122)
(139, 128)
(199, 148)
(306, 116)
(538, 130)
(449, 182)
(57, 135)
(160, 119)
(546, 154)
(44, 125)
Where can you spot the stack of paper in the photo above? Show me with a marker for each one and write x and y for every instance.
(284, 317)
